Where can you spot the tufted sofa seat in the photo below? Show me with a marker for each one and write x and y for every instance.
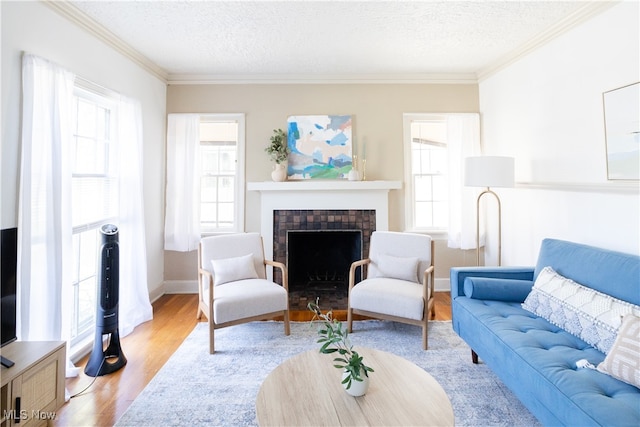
(536, 359)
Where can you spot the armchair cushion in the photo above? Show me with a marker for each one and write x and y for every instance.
(247, 298)
(486, 288)
(392, 297)
(232, 269)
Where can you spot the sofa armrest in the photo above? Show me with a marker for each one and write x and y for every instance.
(485, 288)
(458, 274)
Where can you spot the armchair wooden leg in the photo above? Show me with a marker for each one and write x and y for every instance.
(425, 335)
(349, 319)
(287, 329)
(211, 331)
(474, 357)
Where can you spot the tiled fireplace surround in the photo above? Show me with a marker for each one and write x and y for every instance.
(320, 205)
(317, 220)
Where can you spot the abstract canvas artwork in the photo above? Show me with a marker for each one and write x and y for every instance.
(320, 146)
(622, 129)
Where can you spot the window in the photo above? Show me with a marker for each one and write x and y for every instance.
(222, 173)
(426, 164)
(94, 200)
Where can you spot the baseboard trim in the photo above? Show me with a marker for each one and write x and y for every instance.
(442, 285)
(180, 286)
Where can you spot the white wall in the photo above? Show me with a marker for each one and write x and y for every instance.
(546, 110)
(33, 27)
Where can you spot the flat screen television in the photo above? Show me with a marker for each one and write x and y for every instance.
(9, 264)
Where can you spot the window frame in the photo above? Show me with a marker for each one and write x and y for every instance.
(98, 96)
(409, 193)
(239, 193)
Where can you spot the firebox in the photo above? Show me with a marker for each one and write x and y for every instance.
(318, 261)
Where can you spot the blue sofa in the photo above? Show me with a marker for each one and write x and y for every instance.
(534, 358)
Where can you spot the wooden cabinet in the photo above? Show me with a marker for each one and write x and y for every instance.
(32, 389)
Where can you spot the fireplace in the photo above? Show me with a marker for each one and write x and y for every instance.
(333, 239)
(319, 205)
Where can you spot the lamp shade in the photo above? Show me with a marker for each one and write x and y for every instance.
(489, 171)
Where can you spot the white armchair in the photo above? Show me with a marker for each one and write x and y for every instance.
(398, 281)
(232, 283)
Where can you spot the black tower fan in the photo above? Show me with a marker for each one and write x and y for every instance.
(105, 360)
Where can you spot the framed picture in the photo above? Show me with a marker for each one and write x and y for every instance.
(320, 146)
(622, 132)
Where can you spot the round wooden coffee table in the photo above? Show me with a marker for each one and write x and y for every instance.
(305, 390)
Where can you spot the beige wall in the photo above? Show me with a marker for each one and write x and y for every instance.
(377, 111)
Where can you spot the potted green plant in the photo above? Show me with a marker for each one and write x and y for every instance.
(278, 151)
(334, 338)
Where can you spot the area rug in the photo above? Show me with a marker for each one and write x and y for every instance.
(199, 389)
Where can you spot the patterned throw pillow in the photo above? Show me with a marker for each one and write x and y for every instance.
(586, 313)
(623, 361)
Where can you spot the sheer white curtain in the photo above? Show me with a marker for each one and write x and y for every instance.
(463, 140)
(44, 220)
(182, 217)
(134, 306)
(45, 198)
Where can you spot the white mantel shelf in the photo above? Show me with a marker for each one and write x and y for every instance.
(323, 185)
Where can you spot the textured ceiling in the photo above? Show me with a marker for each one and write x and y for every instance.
(321, 38)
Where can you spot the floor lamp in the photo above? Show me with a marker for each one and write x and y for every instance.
(489, 171)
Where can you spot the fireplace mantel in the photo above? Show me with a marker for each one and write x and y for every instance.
(319, 194)
(321, 185)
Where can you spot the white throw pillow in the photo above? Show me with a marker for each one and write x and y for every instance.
(586, 313)
(393, 267)
(227, 270)
(623, 361)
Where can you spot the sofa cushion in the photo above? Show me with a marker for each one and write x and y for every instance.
(233, 269)
(497, 289)
(588, 314)
(623, 361)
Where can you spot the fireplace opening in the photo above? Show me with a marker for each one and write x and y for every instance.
(318, 263)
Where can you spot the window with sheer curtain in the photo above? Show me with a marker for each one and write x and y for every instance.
(205, 177)
(435, 146)
(81, 168)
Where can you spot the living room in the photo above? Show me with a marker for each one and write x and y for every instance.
(543, 107)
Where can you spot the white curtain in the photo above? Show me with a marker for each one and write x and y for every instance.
(44, 220)
(44, 223)
(134, 306)
(182, 218)
(463, 140)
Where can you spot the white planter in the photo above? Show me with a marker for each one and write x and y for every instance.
(279, 173)
(358, 388)
(353, 175)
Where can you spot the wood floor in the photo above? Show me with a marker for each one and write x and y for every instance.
(147, 349)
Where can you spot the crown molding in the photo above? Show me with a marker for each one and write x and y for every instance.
(82, 20)
(197, 79)
(575, 19)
